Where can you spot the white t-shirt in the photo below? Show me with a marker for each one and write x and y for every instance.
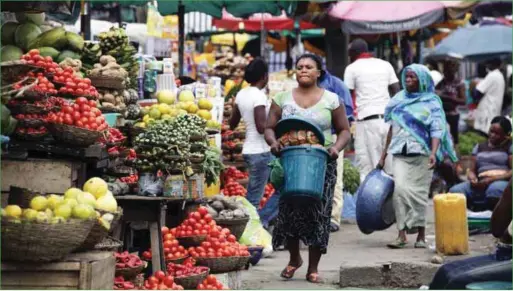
(492, 87)
(247, 99)
(370, 78)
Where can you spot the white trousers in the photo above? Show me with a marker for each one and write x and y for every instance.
(338, 197)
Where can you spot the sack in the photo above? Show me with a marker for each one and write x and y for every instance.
(255, 234)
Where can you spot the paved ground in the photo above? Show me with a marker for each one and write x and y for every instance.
(359, 259)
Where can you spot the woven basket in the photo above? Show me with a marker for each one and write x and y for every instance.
(98, 232)
(130, 273)
(107, 82)
(223, 264)
(11, 70)
(191, 241)
(27, 109)
(191, 282)
(21, 196)
(32, 123)
(236, 226)
(177, 261)
(42, 242)
(34, 95)
(108, 244)
(31, 136)
(73, 135)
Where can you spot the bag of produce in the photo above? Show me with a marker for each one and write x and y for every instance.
(277, 174)
(150, 185)
(255, 234)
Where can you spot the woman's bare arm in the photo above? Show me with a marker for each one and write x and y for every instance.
(272, 120)
(341, 125)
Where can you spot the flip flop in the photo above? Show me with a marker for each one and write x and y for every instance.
(397, 244)
(334, 227)
(420, 244)
(314, 278)
(289, 271)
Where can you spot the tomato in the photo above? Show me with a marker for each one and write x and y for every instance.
(81, 100)
(84, 107)
(201, 286)
(76, 107)
(76, 115)
(207, 217)
(84, 120)
(173, 230)
(79, 92)
(168, 244)
(68, 119)
(102, 127)
(202, 210)
(92, 103)
(211, 279)
(175, 243)
(87, 81)
(232, 238)
(93, 126)
(168, 236)
(178, 255)
(160, 275)
(70, 91)
(169, 281)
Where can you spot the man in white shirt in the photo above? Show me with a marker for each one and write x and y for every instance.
(490, 92)
(373, 81)
(252, 105)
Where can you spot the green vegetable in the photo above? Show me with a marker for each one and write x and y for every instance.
(468, 141)
(351, 177)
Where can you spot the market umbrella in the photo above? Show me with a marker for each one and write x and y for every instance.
(254, 22)
(373, 17)
(476, 43)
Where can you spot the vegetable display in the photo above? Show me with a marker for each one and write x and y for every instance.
(351, 177)
(160, 281)
(467, 142)
(222, 207)
(82, 113)
(234, 188)
(268, 192)
(211, 283)
(126, 260)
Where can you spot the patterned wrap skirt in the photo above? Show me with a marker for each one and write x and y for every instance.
(308, 222)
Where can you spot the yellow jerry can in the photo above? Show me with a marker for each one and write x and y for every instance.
(451, 226)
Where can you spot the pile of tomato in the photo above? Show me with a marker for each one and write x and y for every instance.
(234, 174)
(268, 192)
(234, 188)
(83, 113)
(211, 283)
(121, 284)
(34, 58)
(161, 281)
(198, 223)
(219, 243)
(43, 86)
(31, 131)
(172, 249)
(74, 85)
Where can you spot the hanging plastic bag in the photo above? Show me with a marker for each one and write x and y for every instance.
(150, 185)
(255, 234)
(349, 208)
(277, 173)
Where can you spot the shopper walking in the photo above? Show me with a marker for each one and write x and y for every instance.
(490, 93)
(333, 84)
(373, 81)
(252, 105)
(417, 139)
(298, 222)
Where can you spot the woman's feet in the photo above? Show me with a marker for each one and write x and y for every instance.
(290, 270)
(397, 244)
(314, 278)
(420, 244)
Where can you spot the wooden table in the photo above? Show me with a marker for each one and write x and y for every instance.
(153, 211)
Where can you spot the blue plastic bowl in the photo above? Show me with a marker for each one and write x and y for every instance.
(304, 168)
(111, 118)
(374, 207)
(256, 254)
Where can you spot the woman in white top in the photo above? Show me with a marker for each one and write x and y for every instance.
(252, 105)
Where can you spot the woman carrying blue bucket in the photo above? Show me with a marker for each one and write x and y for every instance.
(309, 222)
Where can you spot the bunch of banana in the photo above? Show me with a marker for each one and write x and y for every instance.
(90, 55)
(112, 39)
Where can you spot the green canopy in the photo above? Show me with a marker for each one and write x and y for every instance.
(236, 8)
(100, 3)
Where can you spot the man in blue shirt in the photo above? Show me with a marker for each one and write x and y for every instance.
(337, 86)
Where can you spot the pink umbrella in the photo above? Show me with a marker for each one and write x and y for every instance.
(375, 17)
(254, 22)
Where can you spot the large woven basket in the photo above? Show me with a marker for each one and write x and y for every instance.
(107, 82)
(191, 241)
(236, 226)
(191, 282)
(223, 264)
(32, 123)
(21, 196)
(27, 109)
(42, 242)
(73, 135)
(177, 261)
(108, 244)
(98, 232)
(130, 273)
(31, 136)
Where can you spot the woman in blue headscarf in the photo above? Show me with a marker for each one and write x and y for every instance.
(418, 139)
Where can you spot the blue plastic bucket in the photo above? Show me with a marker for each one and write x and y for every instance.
(304, 169)
(111, 118)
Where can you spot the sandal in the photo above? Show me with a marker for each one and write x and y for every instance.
(334, 227)
(397, 244)
(314, 278)
(289, 271)
(420, 244)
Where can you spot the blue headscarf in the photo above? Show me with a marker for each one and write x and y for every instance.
(421, 113)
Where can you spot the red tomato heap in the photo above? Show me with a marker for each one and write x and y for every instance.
(219, 243)
(43, 104)
(75, 85)
(234, 174)
(126, 260)
(233, 188)
(82, 113)
(43, 84)
(121, 284)
(211, 283)
(172, 249)
(34, 58)
(30, 116)
(198, 223)
(269, 191)
(161, 281)
(183, 270)
(31, 131)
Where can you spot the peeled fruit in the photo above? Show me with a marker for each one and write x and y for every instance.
(25, 34)
(71, 202)
(186, 96)
(54, 201)
(96, 186)
(204, 103)
(39, 203)
(63, 211)
(86, 198)
(82, 211)
(107, 203)
(166, 97)
(205, 114)
(72, 193)
(30, 214)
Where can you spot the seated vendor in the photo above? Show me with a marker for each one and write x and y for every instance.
(491, 166)
(492, 267)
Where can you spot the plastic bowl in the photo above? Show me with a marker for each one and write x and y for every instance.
(111, 118)
(256, 254)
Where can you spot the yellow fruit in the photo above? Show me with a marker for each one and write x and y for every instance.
(166, 97)
(30, 214)
(204, 103)
(49, 213)
(82, 211)
(71, 202)
(107, 203)
(39, 203)
(13, 211)
(63, 211)
(96, 186)
(104, 223)
(186, 95)
(205, 114)
(155, 113)
(140, 124)
(212, 92)
(86, 198)
(193, 108)
(145, 118)
(42, 217)
(54, 201)
(72, 193)
(166, 116)
(213, 124)
(181, 112)
(164, 109)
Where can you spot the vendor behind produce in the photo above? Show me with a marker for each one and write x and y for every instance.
(251, 104)
(490, 168)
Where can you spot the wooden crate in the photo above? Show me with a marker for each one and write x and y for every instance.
(41, 175)
(82, 271)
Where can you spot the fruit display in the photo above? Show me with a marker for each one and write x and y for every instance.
(34, 57)
(211, 283)
(299, 137)
(121, 284)
(233, 141)
(127, 260)
(268, 192)
(76, 86)
(113, 136)
(186, 269)
(161, 281)
(198, 223)
(75, 64)
(221, 207)
(108, 67)
(232, 173)
(218, 244)
(234, 188)
(82, 113)
(229, 66)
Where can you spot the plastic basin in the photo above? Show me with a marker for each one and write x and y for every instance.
(111, 118)
(304, 169)
(256, 254)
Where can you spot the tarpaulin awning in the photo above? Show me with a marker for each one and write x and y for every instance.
(254, 22)
(476, 43)
(372, 17)
(215, 8)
